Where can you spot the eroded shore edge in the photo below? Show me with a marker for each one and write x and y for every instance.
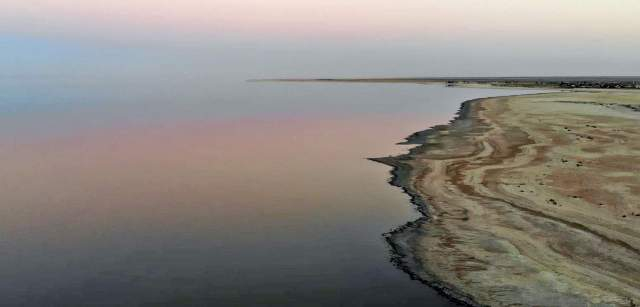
(399, 238)
(426, 248)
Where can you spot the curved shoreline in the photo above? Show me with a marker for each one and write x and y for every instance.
(461, 137)
(401, 256)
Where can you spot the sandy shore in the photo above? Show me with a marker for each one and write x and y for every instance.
(529, 200)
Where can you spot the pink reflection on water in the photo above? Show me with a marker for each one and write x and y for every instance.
(191, 174)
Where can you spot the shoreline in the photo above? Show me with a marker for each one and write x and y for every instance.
(402, 256)
(462, 134)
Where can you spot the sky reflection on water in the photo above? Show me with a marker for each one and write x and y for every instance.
(169, 200)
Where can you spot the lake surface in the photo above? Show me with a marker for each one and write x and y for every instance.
(206, 192)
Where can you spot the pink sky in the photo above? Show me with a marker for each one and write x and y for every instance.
(332, 18)
(258, 38)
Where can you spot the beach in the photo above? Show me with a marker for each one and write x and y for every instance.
(527, 200)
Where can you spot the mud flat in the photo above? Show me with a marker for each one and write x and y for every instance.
(528, 200)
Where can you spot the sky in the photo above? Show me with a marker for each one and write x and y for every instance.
(319, 38)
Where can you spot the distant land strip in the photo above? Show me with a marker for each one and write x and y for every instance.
(569, 82)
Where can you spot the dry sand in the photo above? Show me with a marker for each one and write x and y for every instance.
(531, 200)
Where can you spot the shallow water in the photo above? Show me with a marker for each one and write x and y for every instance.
(183, 192)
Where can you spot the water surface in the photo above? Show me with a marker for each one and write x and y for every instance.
(206, 192)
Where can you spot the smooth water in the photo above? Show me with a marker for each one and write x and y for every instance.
(206, 192)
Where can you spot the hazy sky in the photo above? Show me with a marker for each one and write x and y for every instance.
(272, 38)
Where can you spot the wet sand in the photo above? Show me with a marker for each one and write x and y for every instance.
(528, 200)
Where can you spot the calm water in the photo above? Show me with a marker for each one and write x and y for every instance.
(192, 192)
